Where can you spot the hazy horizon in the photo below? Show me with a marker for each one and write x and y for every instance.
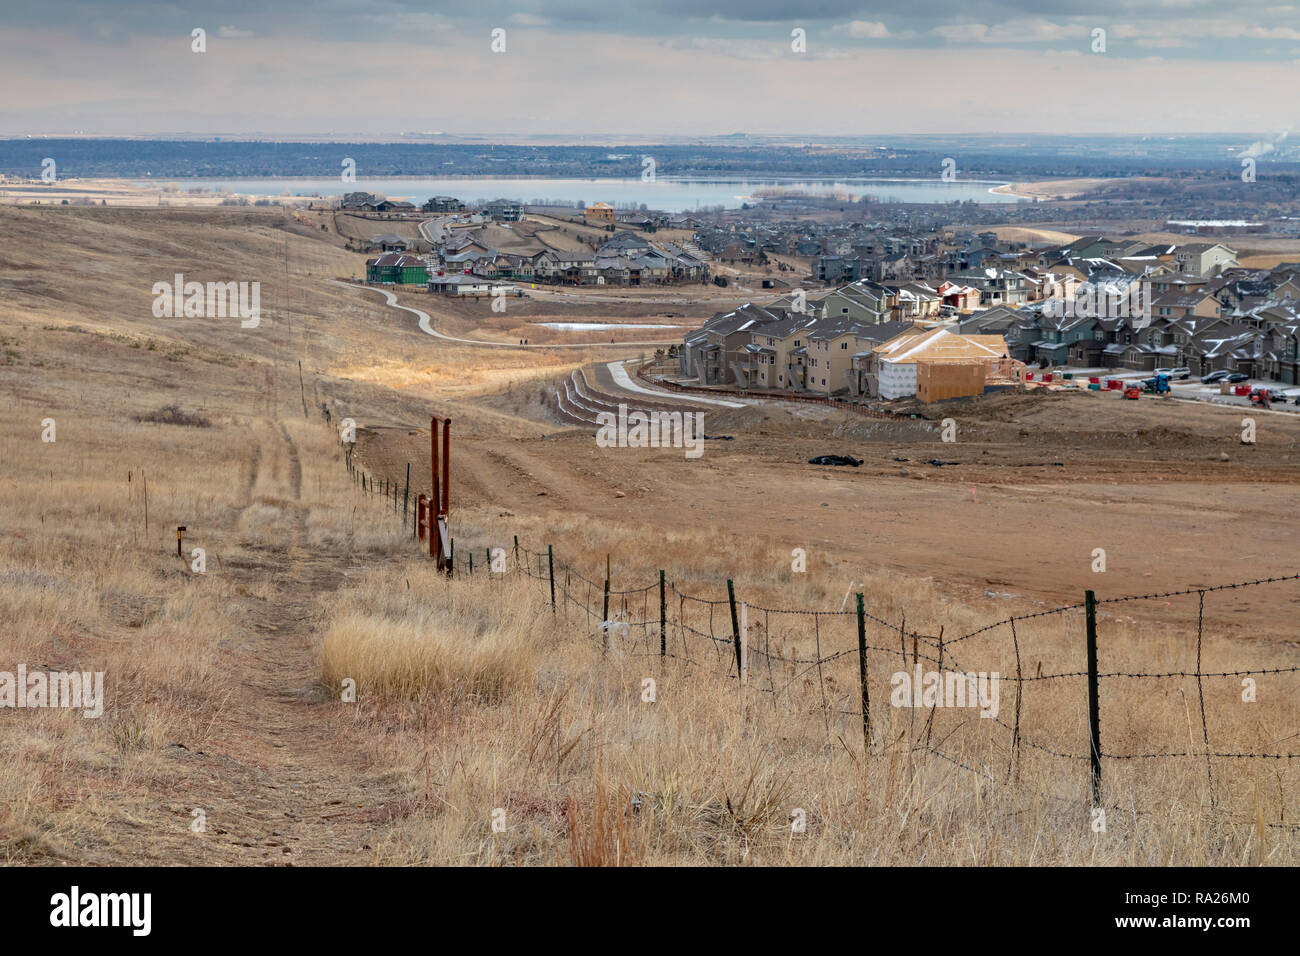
(665, 68)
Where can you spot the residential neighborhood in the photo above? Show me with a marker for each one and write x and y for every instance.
(1092, 304)
(457, 246)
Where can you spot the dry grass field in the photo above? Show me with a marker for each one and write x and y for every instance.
(476, 703)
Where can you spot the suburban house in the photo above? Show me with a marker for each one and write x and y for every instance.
(358, 200)
(1060, 333)
(461, 241)
(467, 260)
(623, 244)
(1204, 258)
(711, 352)
(504, 210)
(863, 301)
(387, 243)
(963, 298)
(776, 353)
(1144, 349)
(442, 204)
(1178, 305)
(1281, 359)
(368, 202)
(601, 211)
(504, 265)
(1238, 348)
(831, 345)
(460, 284)
(915, 300)
(397, 268)
(566, 268)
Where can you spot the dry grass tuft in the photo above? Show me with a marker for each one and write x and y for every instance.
(407, 634)
(172, 415)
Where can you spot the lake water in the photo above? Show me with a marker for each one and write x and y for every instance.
(670, 195)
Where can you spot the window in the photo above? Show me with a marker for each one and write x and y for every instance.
(844, 345)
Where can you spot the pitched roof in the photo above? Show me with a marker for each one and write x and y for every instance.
(402, 260)
(941, 345)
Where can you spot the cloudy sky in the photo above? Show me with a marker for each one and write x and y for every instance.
(649, 68)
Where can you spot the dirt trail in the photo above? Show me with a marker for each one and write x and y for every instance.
(281, 776)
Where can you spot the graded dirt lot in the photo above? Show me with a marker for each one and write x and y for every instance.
(1033, 484)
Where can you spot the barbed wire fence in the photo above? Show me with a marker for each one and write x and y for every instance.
(760, 647)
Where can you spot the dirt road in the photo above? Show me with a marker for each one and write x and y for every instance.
(282, 776)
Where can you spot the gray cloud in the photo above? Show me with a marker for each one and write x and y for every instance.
(375, 66)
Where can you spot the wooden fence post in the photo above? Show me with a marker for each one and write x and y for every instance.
(604, 620)
(862, 671)
(550, 567)
(744, 643)
(663, 618)
(1094, 709)
(516, 552)
(735, 623)
(406, 492)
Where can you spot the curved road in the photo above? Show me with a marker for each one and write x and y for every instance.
(624, 381)
(426, 325)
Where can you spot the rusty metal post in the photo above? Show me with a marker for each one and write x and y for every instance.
(446, 467)
(433, 500)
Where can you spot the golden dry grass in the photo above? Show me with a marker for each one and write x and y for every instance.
(393, 641)
(473, 696)
(711, 773)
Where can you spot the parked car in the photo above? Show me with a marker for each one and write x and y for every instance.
(1213, 377)
(1180, 372)
(1236, 377)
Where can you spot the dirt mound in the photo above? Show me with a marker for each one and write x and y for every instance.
(1005, 406)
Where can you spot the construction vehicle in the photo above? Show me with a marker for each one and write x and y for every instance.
(1132, 392)
(1157, 385)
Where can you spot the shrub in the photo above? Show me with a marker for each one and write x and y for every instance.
(172, 415)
